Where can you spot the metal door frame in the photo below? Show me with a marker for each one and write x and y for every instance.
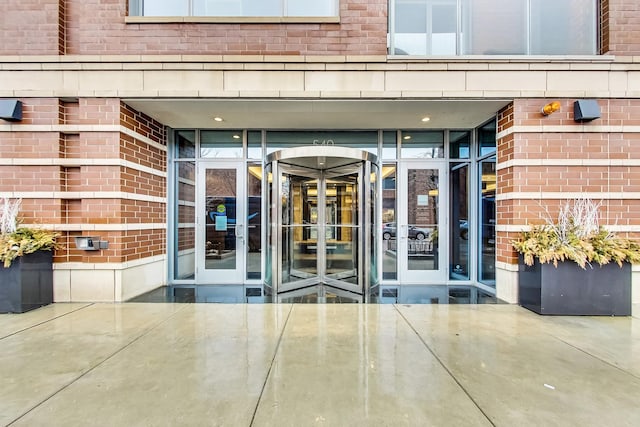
(220, 276)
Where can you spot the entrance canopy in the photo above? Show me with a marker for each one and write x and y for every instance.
(319, 114)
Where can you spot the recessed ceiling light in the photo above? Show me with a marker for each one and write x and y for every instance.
(236, 136)
(426, 119)
(407, 137)
(218, 119)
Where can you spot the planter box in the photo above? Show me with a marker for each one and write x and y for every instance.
(27, 283)
(570, 290)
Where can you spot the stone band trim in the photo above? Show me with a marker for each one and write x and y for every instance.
(82, 128)
(82, 195)
(107, 265)
(67, 162)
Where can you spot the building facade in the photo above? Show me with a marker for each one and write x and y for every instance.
(379, 150)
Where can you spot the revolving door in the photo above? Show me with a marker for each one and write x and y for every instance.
(322, 225)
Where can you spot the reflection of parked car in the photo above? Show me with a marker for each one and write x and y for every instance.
(389, 232)
(464, 229)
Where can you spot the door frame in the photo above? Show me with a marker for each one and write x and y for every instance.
(234, 276)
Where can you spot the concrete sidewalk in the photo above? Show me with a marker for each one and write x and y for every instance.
(137, 364)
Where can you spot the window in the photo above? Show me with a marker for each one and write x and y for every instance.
(234, 8)
(493, 27)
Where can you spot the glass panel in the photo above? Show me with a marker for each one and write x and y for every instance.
(254, 143)
(221, 144)
(254, 220)
(444, 27)
(487, 273)
(237, 8)
(422, 225)
(220, 193)
(389, 248)
(165, 8)
(185, 188)
(186, 143)
(410, 24)
(342, 253)
(563, 27)
(367, 141)
(423, 145)
(389, 145)
(373, 209)
(270, 241)
(299, 228)
(494, 27)
(459, 221)
(341, 207)
(487, 138)
(311, 8)
(459, 144)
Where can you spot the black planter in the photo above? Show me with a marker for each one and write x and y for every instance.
(27, 283)
(570, 290)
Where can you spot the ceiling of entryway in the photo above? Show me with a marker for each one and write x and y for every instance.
(319, 114)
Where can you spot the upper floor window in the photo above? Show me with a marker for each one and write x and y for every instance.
(233, 8)
(492, 27)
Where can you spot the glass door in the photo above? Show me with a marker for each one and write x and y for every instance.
(421, 233)
(299, 228)
(320, 228)
(343, 229)
(220, 243)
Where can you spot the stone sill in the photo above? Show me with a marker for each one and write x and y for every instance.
(232, 20)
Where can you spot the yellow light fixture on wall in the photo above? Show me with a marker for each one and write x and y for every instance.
(550, 108)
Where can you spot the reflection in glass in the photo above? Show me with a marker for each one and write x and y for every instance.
(270, 238)
(459, 221)
(422, 144)
(389, 246)
(494, 27)
(186, 143)
(221, 144)
(185, 185)
(425, 27)
(254, 144)
(254, 220)
(389, 145)
(299, 228)
(422, 225)
(220, 242)
(487, 138)
(487, 274)
(459, 144)
(374, 278)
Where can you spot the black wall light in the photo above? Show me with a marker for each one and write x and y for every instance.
(11, 110)
(585, 110)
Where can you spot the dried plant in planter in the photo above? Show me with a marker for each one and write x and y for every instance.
(16, 241)
(576, 236)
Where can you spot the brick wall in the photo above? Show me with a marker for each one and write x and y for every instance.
(537, 169)
(97, 180)
(621, 18)
(51, 27)
(98, 27)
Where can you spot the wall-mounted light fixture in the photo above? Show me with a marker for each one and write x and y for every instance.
(11, 110)
(91, 243)
(550, 108)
